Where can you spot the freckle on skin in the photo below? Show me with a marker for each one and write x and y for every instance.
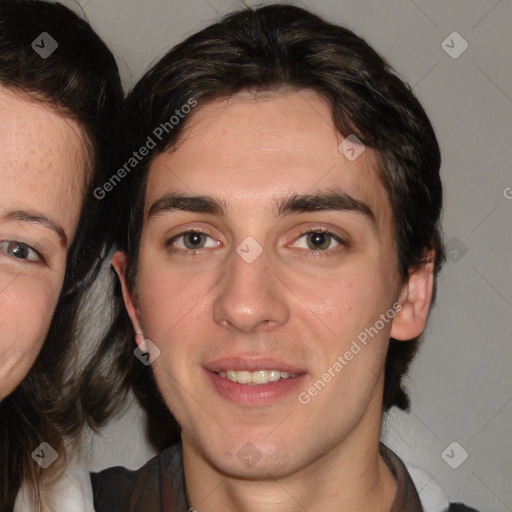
(41, 170)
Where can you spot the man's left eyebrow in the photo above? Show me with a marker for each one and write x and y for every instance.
(332, 200)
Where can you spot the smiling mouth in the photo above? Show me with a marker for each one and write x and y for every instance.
(256, 378)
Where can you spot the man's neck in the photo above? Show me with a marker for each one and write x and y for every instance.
(353, 477)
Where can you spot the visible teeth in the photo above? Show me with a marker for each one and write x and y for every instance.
(243, 377)
(274, 375)
(257, 377)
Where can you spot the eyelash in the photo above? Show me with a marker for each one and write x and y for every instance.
(316, 253)
(4, 247)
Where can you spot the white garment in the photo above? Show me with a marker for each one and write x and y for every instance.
(71, 493)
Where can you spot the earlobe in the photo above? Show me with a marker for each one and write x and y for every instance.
(119, 262)
(415, 299)
(141, 341)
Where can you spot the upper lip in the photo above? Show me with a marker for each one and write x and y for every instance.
(252, 364)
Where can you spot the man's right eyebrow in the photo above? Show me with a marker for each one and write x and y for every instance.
(197, 204)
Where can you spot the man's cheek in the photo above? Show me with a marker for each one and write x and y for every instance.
(172, 367)
(350, 300)
(167, 301)
(175, 385)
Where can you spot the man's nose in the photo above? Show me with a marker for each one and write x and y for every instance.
(251, 298)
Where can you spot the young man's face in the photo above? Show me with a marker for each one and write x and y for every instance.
(279, 260)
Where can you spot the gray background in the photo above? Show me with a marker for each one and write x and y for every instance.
(460, 383)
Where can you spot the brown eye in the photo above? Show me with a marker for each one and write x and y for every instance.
(318, 241)
(19, 250)
(194, 240)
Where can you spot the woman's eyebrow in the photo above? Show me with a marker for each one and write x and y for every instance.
(297, 203)
(36, 218)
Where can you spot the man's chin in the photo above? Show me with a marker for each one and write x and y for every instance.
(252, 464)
(246, 457)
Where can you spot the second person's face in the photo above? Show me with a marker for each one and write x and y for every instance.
(42, 172)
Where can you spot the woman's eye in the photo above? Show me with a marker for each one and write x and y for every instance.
(317, 241)
(193, 240)
(19, 250)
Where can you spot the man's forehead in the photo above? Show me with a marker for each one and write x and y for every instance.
(237, 149)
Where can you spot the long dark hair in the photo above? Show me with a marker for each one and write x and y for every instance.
(278, 47)
(81, 81)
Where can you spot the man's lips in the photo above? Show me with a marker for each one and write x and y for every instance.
(243, 388)
(253, 364)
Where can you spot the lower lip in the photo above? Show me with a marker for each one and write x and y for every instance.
(261, 394)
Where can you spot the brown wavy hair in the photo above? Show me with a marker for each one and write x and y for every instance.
(273, 48)
(81, 81)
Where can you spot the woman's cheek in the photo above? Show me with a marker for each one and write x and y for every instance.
(26, 310)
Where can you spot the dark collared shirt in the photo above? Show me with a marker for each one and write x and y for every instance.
(159, 486)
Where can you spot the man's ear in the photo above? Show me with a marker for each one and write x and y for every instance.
(119, 263)
(415, 299)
